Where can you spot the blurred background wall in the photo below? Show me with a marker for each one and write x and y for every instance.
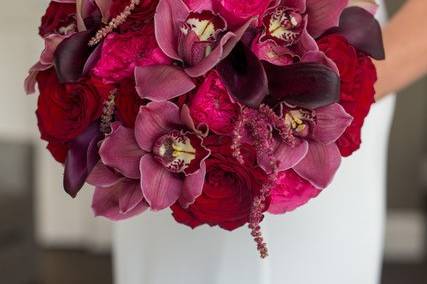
(60, 221)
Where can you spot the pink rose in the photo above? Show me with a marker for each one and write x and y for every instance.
(237, 12)
(290, 192)
(121, 53)
(212, 106)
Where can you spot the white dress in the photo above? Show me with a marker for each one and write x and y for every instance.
(336, 238)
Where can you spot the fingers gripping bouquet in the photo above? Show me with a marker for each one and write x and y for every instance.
(221, 110)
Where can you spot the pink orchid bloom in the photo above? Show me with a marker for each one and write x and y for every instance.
(291, 26)
(116, 197)
(165, 152)
(196, 39)
(312, 152)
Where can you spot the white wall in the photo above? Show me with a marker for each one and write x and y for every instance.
(60, 220)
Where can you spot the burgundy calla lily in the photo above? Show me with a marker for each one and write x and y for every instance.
(308, 85)
(74, 57)
(366, 37)
(81, 159)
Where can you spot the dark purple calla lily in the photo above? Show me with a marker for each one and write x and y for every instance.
(81, 159)
(74, 58)
(308, 85)
(363, 31)
(244, 77)
(71, 57)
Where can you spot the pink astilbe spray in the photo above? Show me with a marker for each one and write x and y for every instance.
(259, 126)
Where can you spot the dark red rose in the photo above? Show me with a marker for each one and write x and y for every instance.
(65, 111)
(143, 13)
(127, 103)
(229, 188)
(358, 76)
(59, 18)
(58, 150)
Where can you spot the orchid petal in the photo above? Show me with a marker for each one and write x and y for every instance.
(130, 196)
(369, 5)
(362, 31)
(102, 176)
(210, 61)
(104, 7)
(106, 202)
(323, 15)
(308, 85)
(160, 187)
(298, 5)
(186, 118)
(120, 151)
(320, 164)
(284, 156)
(243, 75)
(162, 82)
(224, 48)
(306, 43)
(170, 14)
(85, 9)
(154, 120)
(199, 5)
(320, 57)
(192, 187)
(31, 80)
(77, 164)
(331, 122)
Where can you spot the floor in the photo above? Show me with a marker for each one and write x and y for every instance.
(74, 267)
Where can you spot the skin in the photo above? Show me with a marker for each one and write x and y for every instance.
(405, 41)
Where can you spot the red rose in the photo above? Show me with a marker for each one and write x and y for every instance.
(358, 76)
(229, 188)
(58, 18)
(65, 111)
(127, 103)
(58, 150)
(143, 13)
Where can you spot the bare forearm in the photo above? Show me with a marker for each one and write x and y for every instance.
(405, 41)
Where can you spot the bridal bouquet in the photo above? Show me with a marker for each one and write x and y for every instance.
(220, 110)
